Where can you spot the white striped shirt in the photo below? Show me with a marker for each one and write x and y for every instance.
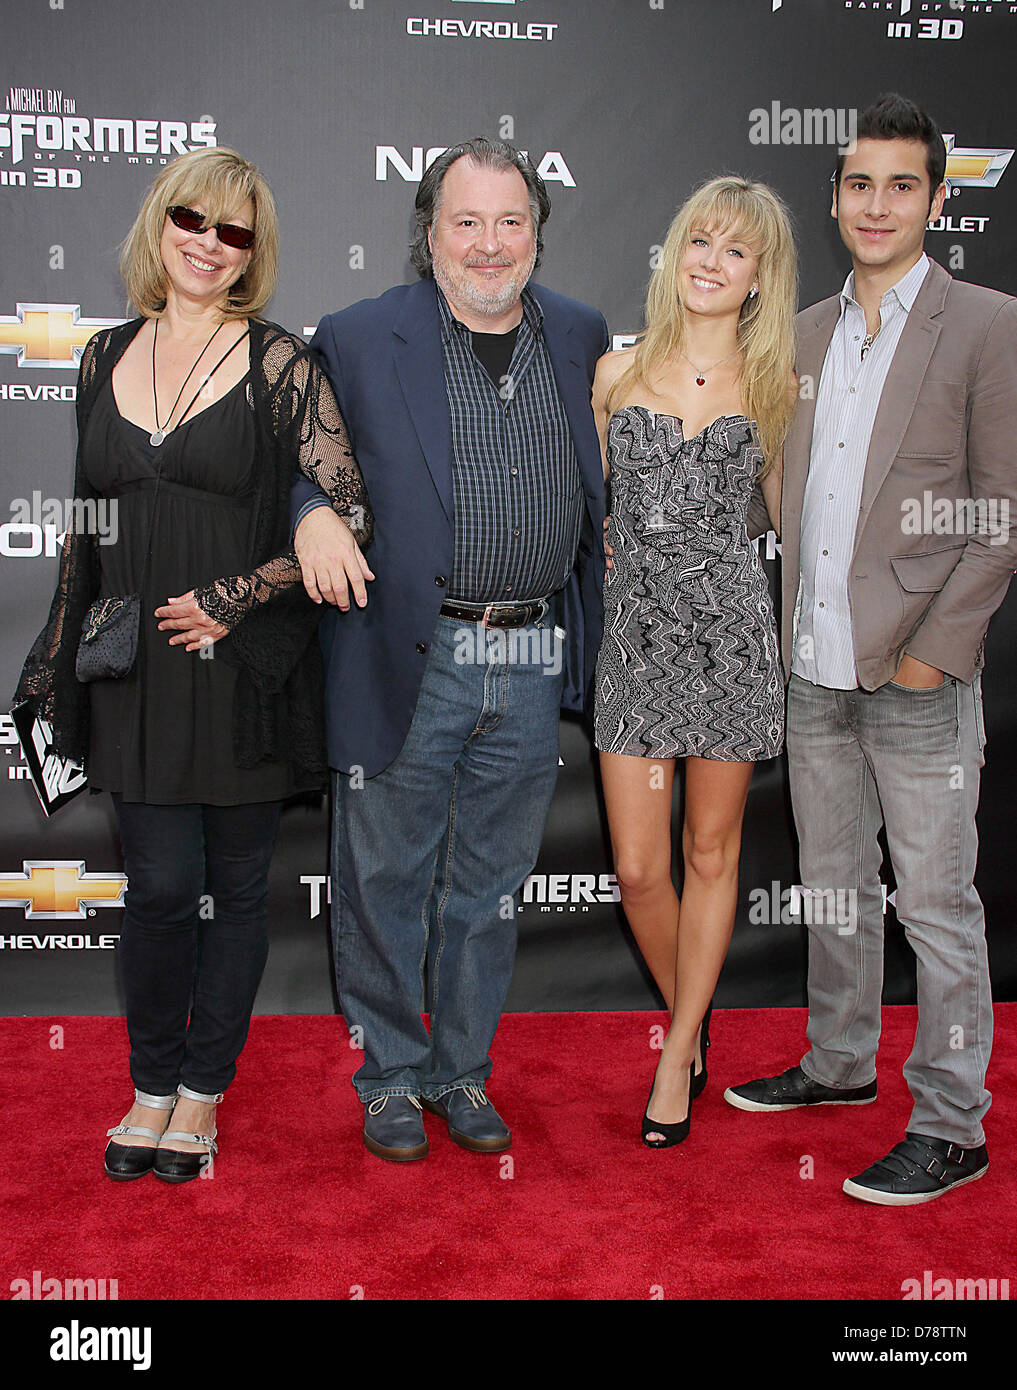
(846, 403)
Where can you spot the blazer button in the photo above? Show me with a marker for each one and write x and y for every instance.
(421, 647)
(439, 579)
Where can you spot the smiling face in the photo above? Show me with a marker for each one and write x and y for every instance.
(882, 205)
(718, 269)
(198, 266)
(482, 243)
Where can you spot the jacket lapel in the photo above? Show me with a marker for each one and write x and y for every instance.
(573, 382)
(814, 337)
(903, 383)
(420, 368)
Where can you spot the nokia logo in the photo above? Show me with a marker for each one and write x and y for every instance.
(552, 166)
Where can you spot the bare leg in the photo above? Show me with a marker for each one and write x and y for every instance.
(637, 793)
(715, 796)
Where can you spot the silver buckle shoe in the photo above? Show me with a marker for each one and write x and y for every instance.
(178, 1165)
(123, 1162)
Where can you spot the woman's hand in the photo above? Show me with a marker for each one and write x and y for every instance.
(331, 562)
(194, 628)
(608, 549)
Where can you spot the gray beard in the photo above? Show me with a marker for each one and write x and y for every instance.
(458, 288)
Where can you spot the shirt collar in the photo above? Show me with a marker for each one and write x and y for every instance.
(905, 291)
(533, 314)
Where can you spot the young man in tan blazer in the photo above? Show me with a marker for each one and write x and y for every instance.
(898, 491)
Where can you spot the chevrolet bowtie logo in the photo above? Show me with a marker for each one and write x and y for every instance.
(974, 168)
(60, 888)
(48, 335)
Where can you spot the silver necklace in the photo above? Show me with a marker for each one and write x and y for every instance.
(870, 338)
(160, 433)
(701, 375)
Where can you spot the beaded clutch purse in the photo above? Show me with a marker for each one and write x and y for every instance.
(109, 639)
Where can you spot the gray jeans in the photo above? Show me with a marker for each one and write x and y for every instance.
(909, 760)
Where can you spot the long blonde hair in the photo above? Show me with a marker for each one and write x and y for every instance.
(766, 332)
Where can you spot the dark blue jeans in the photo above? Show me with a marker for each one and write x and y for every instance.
(428, 855)
(194, 939)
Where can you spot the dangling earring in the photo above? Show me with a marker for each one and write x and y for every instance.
(754, 291)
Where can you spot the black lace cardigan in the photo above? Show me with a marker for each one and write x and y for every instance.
(278, 709)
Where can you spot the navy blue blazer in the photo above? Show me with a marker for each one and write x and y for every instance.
(384, 359)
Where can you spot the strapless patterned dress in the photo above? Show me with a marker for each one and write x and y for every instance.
(690, 664)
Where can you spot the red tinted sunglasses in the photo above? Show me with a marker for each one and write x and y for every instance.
(241, 238)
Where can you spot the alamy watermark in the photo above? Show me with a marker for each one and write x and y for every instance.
(60, 516)
(832, 907)
(78, 1342)
(956, 516)
(477, 645)
(931, 1287)
(42, 1286)
(810, 125)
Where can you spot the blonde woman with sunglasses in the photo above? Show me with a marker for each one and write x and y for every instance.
(203, 716)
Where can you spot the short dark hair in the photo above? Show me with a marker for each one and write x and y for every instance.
(495, 154)
(893, 117)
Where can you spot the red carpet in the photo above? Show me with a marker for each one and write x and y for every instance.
(297, 1208)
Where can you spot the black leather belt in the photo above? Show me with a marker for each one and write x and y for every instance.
(495, 614)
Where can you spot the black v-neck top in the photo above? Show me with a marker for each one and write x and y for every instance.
(164, 734)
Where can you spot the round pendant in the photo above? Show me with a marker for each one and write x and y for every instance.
(157, 438)
(700, 380)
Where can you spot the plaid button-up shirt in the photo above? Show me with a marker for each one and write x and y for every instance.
(515, 478)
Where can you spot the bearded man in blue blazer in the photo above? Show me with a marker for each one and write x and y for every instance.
(467, 401)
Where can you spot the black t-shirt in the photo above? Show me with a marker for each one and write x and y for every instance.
(494, 351)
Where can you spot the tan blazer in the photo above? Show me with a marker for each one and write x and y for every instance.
(946, 428)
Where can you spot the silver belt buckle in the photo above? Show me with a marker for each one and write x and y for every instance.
(543, 604)
(498, 627)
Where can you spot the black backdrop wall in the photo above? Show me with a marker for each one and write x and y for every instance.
(625, 105)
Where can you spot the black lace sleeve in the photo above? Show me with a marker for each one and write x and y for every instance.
(229, 600)
(47, 681)
(39, 674)
(325, 456)
(325, 453)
